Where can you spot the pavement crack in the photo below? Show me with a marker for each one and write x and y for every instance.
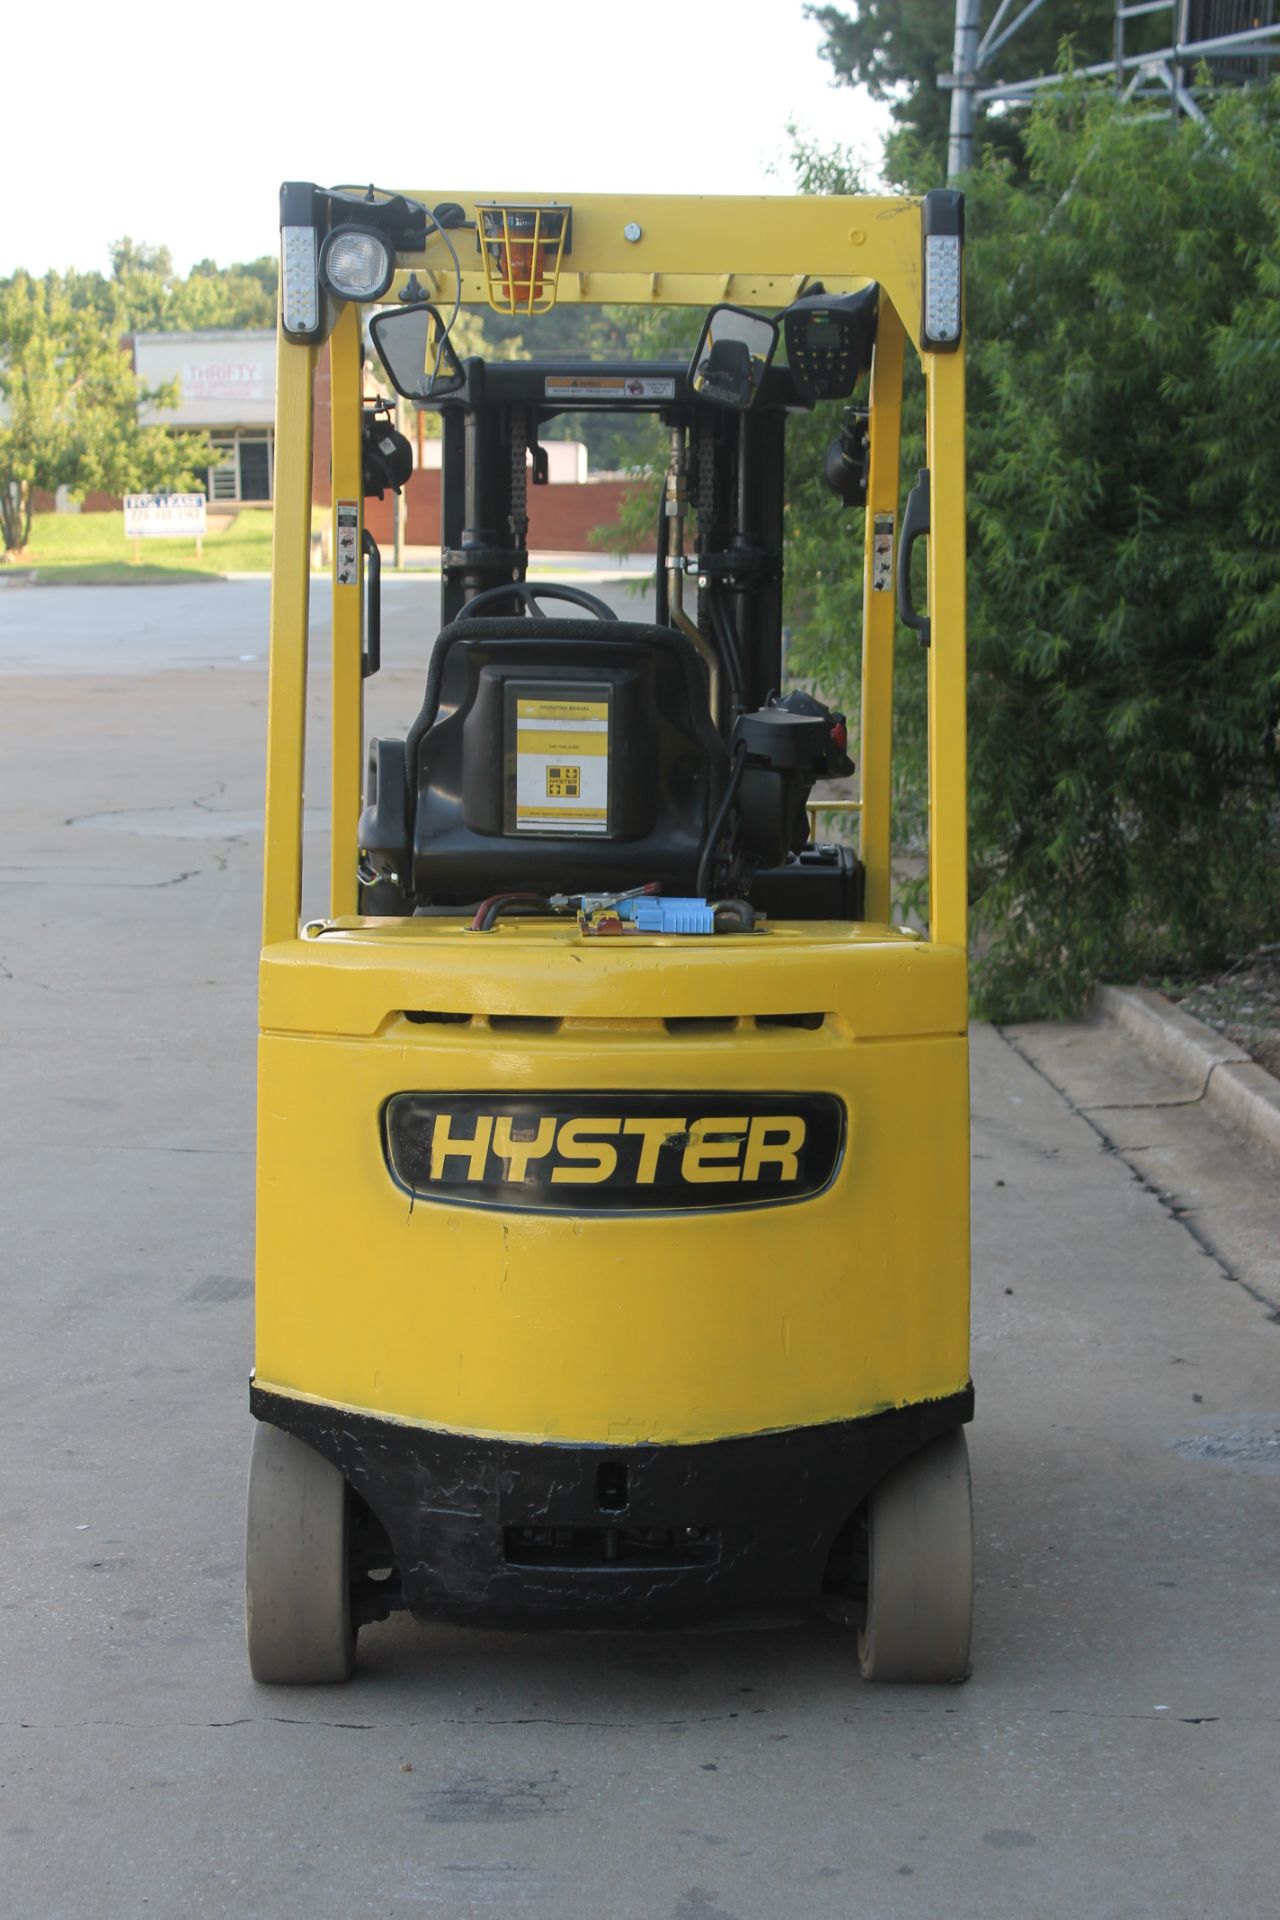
(1142, 1106)
(294, 1720)
(387, 1726)
(603, 1726)
(205, 800)
(895, 1710)
(1102, 1713)
(116, 1146)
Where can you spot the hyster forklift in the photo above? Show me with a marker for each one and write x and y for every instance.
(613, 1240)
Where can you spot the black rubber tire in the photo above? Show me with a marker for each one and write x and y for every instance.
(919, 1616)
(297, 1596)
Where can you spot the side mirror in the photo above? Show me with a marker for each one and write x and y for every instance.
(732, 357)
(413, 345)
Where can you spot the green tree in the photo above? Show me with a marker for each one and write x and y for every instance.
(1123, 328)
(243, 295)
(145, 291)
(69, 404)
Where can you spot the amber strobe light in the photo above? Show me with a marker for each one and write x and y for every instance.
(522, 248)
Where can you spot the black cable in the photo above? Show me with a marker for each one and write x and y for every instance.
(519, 903)
(724, 642)
(727, 641)
(457, 295)
(714, 831)
(729, 626)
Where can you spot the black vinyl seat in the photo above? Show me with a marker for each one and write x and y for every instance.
(560, 755)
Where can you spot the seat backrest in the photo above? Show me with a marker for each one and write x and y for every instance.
(561, 756)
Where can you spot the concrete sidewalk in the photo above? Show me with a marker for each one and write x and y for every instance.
(1218, 1182)
(1113, 1757)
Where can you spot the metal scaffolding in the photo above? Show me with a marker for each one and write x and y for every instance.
(1235, 39)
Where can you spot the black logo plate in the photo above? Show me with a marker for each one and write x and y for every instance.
(613, 1152)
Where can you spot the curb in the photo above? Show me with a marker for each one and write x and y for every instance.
(1242, 1094)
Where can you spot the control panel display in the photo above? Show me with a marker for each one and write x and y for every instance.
(829, 342)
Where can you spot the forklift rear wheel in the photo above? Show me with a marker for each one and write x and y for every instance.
(920, 1568)
(297, 1595)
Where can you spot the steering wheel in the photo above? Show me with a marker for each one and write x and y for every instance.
(530, 593)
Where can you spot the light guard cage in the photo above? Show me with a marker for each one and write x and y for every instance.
(522, 249)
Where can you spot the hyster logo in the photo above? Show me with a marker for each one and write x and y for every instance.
(613, 1152)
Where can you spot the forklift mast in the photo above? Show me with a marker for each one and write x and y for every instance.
(735, 473)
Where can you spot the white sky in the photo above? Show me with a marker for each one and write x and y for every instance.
(175, 124)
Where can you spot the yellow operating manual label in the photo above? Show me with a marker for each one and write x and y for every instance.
(562, 765)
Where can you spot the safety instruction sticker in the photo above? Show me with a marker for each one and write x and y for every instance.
(562, 765)
(882, 554)
(608, 386)
(347, 570)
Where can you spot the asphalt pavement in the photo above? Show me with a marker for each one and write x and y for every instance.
(1115, 1753)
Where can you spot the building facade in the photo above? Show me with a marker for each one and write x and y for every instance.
(226, 384)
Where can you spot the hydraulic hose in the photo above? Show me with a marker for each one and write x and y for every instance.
(674, 503)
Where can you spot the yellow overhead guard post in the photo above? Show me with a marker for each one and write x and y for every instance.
(613, 1140)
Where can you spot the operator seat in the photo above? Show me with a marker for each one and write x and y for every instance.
(549, 756)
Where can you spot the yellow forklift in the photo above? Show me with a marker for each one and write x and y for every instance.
(612, 1233)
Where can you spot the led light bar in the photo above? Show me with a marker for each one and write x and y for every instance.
(300, 313)
(300, 289)
(942, 317)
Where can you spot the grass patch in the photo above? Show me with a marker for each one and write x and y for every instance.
(79, 549)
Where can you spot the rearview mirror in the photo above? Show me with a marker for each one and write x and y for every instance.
(413, 345)
(734, 351)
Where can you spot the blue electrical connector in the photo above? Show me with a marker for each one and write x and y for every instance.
(658, 913)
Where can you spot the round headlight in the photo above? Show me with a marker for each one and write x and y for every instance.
(357, 264)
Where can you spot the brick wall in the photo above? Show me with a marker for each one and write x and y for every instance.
(95, 502)
(561, 519)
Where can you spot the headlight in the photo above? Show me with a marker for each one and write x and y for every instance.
(357, 264)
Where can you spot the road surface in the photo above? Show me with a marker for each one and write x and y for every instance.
(1116, 1751)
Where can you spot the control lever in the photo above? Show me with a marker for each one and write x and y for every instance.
(371, 658)
(915, 521)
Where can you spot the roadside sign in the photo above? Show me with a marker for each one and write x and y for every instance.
(164, 516)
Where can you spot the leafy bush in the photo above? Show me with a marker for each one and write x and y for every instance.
(1124, 577)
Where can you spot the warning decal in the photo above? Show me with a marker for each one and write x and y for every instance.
(562, 765)
(609, 386)
(882, 554)
(347, 556)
